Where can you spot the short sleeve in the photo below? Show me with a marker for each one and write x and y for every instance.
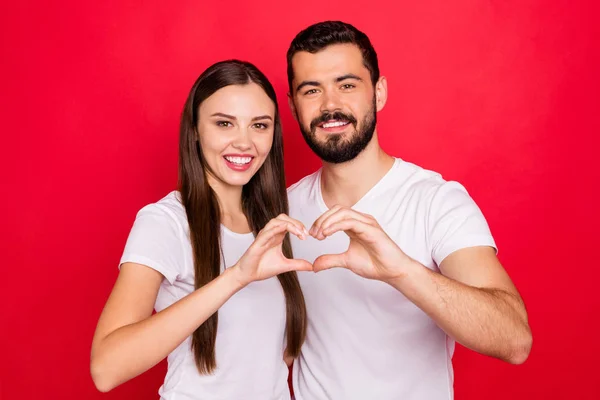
(156, 241)
(455, 222)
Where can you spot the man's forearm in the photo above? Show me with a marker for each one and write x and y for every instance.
(490, 321)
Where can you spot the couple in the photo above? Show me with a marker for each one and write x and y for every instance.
(365, 282)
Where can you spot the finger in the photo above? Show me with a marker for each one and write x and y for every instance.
(297, 265)
(272, 223)
(349, 225)
(281, 219)
(343, 214)
(298, 224)
(317, 224)
(329, 261)
(267, 237)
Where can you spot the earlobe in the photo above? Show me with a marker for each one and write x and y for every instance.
(381, 93)
(292, 106)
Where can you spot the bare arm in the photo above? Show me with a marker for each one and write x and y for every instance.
(473, 301)
(129, 340)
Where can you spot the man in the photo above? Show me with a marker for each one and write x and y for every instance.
(405, 262)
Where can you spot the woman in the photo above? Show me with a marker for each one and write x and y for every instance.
(216, 244)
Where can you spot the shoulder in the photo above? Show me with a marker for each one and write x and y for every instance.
(168, 209)
(165, 217)
(158, 238)
(415, 181)
(303, 186)
(424, 188)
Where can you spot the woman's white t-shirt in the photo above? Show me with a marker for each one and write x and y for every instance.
(251, 328)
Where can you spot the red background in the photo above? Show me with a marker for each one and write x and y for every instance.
(499, 95)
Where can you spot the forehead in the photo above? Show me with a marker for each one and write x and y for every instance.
(331, 62)
(247, 100)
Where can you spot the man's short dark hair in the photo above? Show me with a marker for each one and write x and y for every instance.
(320, 35)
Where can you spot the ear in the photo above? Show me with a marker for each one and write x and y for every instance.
(292, 106)
(381, 93)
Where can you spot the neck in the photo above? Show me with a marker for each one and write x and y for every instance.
(230, 205)
(346, 183)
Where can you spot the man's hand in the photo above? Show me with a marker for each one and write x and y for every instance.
(371, 253)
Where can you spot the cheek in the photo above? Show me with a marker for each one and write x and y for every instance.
(212, 142)
(211, 152)
(307, 118)
(263, 144)
(307, 111)
(360, 108)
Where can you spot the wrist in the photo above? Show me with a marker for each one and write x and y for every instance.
(408, 270)
(237, 277)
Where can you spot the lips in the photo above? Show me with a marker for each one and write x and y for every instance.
(333, 124)
(336, 121)
(238, 162)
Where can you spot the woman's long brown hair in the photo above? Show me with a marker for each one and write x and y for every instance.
(263, 198)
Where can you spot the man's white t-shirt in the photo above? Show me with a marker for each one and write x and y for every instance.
(365, 340)
(251, 328)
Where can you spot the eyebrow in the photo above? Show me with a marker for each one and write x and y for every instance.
(260, 117)
(337, 80)
(348, 76)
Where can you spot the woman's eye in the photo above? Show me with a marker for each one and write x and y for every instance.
(261, 126)
(224, 124)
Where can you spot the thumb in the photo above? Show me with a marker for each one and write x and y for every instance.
(328, 261)
(298, 265)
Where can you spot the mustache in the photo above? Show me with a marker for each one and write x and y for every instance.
(327, 116)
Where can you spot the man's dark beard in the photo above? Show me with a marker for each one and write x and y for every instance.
(338, 149)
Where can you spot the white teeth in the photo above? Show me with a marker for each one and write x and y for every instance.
(239, 160)
(333, 124)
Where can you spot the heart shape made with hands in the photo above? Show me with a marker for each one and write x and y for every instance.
(371, 253)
